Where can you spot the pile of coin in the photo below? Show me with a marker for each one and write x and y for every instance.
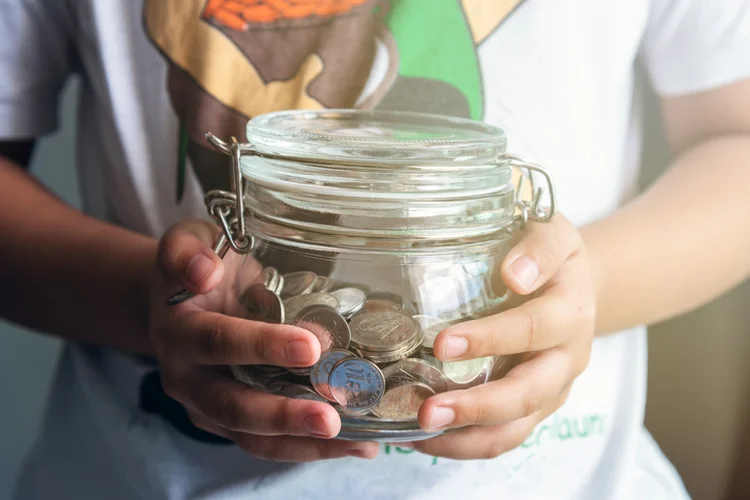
(376, 354)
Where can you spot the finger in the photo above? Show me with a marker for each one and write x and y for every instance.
(236, 407)
(302, 449)
(540, 253)
(211, 338)
(527, 389)
(479, 442)
(185, 257)
(541, 323)
(205, 424)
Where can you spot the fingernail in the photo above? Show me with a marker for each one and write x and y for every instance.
(298, 352)
(525, 271)
(199, 268)
(441, 416)
(360, 453)
(455, 347)
(316, 425)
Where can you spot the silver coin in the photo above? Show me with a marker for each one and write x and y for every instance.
(269, 371)
(327, 325)
(298, 283)
(271, 278)
(279, 285)
(323, 284)
(350, 300)
(383, 331)
(356, 384)
(402, 401)
(381, 357)
(293, 305)
(263, 305)
(380, 305)
(300, 372)
(277, 386)
(388, 297)
(321, 371)
(469, 372)
(250, 377)
(431, 326)
(417, 370)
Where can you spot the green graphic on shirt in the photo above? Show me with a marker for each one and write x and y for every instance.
(559, 429)
(434, 43)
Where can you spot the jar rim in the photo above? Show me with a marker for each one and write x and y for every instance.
(377, 136)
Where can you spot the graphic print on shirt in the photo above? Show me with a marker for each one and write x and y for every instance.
(231, 60)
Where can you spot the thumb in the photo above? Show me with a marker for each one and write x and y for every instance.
(185, 256)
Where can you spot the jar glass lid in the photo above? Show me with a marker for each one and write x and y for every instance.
(376, 136)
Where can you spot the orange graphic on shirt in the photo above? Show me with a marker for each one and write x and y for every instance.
(239, 14)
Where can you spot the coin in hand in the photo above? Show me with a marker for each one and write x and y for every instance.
(357, 384)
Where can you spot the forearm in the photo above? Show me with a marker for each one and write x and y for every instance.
(67, 274)
(680, 244)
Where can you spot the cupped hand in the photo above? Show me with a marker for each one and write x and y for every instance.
(552, 332)
(195, 341)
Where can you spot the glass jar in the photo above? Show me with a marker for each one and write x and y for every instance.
(374, 230)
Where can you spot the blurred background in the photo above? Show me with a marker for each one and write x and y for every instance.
(698, 375)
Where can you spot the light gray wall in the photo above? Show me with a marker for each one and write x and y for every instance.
(27, 359)
(698, 376)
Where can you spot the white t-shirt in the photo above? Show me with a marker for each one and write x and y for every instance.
(157, 73)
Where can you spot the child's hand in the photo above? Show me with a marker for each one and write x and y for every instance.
(556, 327)
(195, 339)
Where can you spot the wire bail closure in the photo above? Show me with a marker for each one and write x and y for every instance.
(532, 209)
(227, 207)
(228, 210)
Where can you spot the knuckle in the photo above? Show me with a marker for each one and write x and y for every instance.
(534, 328)
(491, 343)
(531, 402)
(214, 345)
(548, 253)
(260, 344)
(474, 413)
(168, 251)
(229, 411)
(281, 417)
(269, 448)
(494, 450)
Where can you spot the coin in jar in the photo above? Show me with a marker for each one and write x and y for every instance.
(271, 278)
(430, 326)
(350, 300)
(298, 283)
(469, 372)
(321, 371)
(383, 331)
(249, 377)
(380, 305)
(356, 384)
(402, 402)
(263, 305)
(269, 370)
(325, 323)
(417, 370)
(293, 305)
(297, 391)
(323, 284)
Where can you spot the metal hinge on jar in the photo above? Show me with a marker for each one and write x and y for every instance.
(531, 208)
